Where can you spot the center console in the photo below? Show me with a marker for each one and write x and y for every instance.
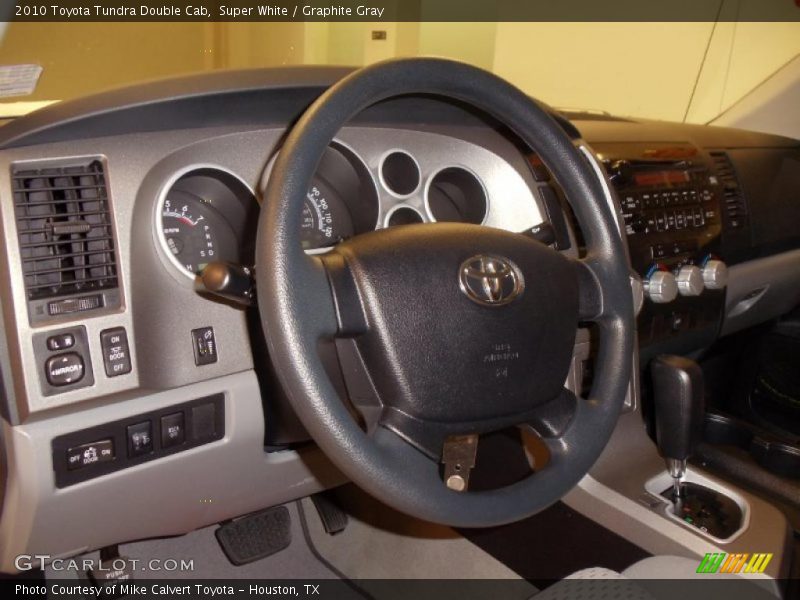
(671, 201)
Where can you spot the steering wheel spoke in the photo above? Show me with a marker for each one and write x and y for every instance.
(552, 419)
(351, 320)
(591, 303)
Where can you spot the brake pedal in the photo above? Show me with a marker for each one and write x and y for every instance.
(256, 536)
(333, 518)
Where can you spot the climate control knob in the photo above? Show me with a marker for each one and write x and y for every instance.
(690, 280)
(715, 274)
(661, 287)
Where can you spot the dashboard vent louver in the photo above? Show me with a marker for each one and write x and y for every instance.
(734, 207)
(66, 239)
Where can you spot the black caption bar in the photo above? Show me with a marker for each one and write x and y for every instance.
(403, 10)
(370, 589)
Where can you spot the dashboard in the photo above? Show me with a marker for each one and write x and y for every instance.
(120, 381)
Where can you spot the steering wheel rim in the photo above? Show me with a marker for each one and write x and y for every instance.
(300, 300)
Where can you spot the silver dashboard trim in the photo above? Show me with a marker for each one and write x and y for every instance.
(383, 181)
(427, 191)
(402, 206)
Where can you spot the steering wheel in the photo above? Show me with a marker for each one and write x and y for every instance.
(462, 329)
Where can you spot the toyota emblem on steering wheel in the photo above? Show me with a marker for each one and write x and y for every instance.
(490, 280)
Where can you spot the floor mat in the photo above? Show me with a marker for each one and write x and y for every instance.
(552, 544)
(393, 556)
(555, 543)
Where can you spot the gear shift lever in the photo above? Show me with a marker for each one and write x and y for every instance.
(678, 395)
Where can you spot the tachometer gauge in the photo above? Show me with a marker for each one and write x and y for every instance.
(195, 233)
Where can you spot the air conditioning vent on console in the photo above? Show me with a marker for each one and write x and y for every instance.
(66, 238)
(734, 208)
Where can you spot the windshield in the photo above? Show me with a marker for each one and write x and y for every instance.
(672, 71)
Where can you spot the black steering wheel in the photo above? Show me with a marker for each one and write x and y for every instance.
(463, 329)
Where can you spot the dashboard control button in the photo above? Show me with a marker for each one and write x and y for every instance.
(639, 223)
(715, 274)
(140, 439)
(697, 214)
(173, 430)
(116, 355)
(543, 232)
(690, 281)
(660, 287)
(64, 369)
(658, 251)
(61, 341)
(205, 346)
(89, 454)
(631, 203)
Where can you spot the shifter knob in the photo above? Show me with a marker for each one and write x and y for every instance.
(679, 409)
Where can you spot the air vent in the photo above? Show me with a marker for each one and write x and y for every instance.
(734, 208)
(66, 239)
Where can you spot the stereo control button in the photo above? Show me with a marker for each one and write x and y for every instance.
(64, 369)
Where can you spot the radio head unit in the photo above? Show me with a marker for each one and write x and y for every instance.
(670, 200)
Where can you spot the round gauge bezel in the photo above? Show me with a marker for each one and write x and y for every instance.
(162, 197)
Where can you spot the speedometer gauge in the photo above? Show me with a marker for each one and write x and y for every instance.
(326, 220)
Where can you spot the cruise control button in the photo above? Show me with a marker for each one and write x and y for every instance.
(116, 355)
(64, 369)
(88, 454)
(62, 341)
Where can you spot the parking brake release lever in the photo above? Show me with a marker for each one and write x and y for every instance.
(679, 410)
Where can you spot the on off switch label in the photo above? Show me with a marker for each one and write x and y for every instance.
(116, 355)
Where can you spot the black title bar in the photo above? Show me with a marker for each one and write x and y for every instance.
(401, 10)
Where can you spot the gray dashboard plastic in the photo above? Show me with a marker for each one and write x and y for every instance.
(761, 289)
(169, 496)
